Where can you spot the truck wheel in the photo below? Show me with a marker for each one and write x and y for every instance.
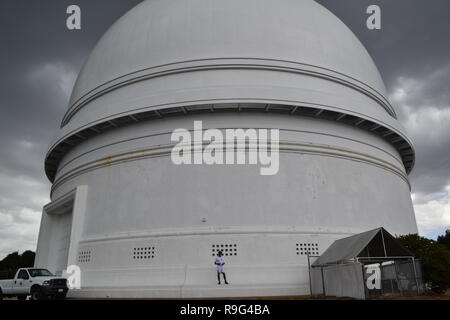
(22, 298)
(1, 294)
(36, 293)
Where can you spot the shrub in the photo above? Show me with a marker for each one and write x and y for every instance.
(435, 260)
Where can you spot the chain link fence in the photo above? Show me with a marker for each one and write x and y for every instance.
(403, 277)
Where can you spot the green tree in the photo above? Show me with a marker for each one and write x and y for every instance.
(27, 259)
(435, 260)
(14, 261)
(445, 239)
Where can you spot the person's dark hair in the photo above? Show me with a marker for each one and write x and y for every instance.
(220, 253)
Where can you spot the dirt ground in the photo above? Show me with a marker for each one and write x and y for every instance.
(430, 296)
(445, 296)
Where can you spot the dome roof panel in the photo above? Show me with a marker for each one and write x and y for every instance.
(162, 32)
(176, 57)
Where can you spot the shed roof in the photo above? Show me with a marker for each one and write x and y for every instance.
(374, 243)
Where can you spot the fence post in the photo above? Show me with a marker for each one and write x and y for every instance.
(309, 272)
(323, 281)
(399, 285)
(415, 276)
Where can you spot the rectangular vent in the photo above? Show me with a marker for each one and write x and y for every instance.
(304, 249)
(84, 256)
(227, 249)
(143, 253)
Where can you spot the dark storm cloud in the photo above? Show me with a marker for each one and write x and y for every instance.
(412, 51)
(39, 61)
(40, 58)
(413, 41)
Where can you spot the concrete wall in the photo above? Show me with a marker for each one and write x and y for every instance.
(334, 181)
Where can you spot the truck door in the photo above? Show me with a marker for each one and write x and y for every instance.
(22, 283)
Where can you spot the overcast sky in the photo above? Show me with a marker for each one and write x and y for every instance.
(40, 59)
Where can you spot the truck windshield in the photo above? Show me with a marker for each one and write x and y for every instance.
(39, 272)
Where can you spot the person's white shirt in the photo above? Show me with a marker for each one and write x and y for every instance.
(219, 263)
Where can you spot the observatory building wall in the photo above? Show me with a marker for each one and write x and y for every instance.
(334, 180)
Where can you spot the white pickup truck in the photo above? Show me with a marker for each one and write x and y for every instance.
(39, 283)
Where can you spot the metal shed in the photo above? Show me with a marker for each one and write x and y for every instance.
(365, 265)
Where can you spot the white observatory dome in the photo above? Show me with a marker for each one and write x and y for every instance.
(164, 54)
(140, 226)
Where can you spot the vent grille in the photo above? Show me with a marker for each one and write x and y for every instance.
(58, 282)
(143, 253)
(304, 249)
(84, 256)
(227, 249)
